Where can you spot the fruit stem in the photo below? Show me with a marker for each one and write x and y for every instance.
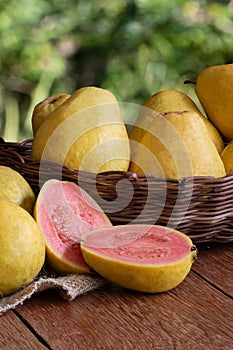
(190, 81)
(195, 251)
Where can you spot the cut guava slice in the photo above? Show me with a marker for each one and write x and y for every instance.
(146, 258)
(64, 211)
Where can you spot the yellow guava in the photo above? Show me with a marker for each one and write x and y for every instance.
(171, 101)
(227, 157)
(14, 187)
(86, 132)
(43, 109)
(22, 247)
(214, 90)
(177, 145)
(145, 258)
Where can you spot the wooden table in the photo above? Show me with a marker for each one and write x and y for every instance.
(196, 315)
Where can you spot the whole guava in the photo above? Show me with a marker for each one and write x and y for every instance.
(14, 187)
(22, 247)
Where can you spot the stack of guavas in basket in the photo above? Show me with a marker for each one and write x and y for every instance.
(65, 228)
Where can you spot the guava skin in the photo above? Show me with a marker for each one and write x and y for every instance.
(15, 188)
(80, 134)
(22, 248)
(44, 108)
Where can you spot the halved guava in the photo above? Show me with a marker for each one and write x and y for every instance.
(146, 258)
(64, 211)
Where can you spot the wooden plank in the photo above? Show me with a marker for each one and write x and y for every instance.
(215, 263)
(193, 316)
(14, 335)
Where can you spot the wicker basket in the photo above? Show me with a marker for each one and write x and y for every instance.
(201, 207)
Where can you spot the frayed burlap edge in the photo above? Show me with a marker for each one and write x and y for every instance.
(69, 286)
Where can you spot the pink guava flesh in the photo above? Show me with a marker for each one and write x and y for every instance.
(65, 213)
(139, 244)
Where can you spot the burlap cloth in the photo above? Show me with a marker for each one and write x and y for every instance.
(69, 286)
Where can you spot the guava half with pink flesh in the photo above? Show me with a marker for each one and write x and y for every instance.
(146, 258)
(64, 211)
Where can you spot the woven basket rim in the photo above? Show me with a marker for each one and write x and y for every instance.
(208, 216)
(12, 146)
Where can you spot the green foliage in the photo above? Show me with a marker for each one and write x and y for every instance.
(132, 47)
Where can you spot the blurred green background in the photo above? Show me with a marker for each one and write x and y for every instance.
(133, 48)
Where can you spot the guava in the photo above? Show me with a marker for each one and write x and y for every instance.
(227, 157)
(22, 247)
(177, 145)
(86, 132)
(44, 108)
(171, 101)
(145, 258)
(14, 187)
(214, 91)
(64, 211)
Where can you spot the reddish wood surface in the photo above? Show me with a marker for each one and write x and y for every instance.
(216, 265)
(196, 315)
(15, 335)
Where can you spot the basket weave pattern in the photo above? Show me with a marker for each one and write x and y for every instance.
(201, 207)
